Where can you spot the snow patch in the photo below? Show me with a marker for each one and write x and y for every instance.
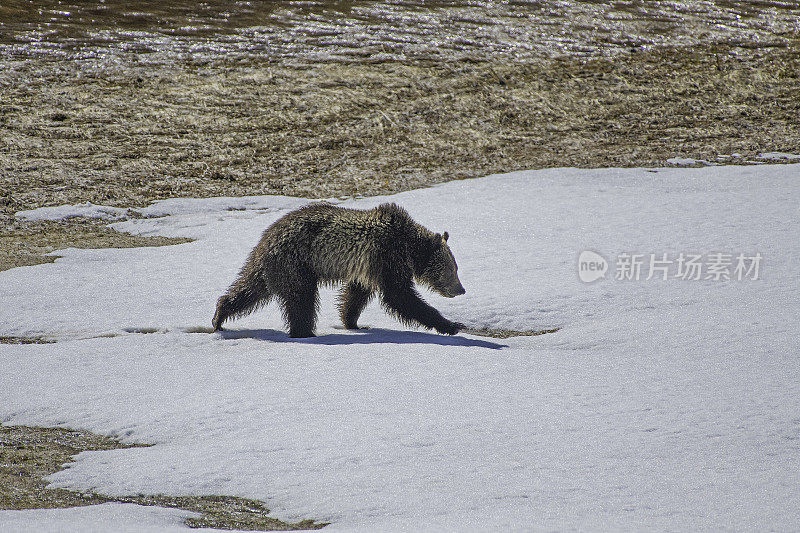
(194, 206)
(658, 405)
(66, 212)
(163, 208)
(779, 156)
(687, 161)
(118, 517)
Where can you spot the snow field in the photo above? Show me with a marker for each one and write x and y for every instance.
(659, 405)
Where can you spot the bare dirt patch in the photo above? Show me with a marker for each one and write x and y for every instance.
(25, 340)
(507, 333)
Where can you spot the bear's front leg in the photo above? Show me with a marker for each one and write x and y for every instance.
(352, 301)
(405, 302)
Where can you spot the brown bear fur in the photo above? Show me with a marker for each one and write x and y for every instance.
(380, 250)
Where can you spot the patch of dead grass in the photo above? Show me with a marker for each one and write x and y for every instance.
(4, 339)
(324, 130)
(507, 333)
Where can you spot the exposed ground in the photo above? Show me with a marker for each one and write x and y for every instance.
(127, 136)
(507, 333)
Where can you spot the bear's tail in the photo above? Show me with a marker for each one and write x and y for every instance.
(248, 293)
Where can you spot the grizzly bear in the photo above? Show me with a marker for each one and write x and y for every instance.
(381, 250)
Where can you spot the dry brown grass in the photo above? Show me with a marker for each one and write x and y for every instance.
(508, 333)
(69, 133)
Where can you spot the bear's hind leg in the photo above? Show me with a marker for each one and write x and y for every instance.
(300, 303)
(352, 301)
(247, 294)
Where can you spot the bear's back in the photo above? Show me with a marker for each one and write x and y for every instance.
(336, 243)
(350, 244)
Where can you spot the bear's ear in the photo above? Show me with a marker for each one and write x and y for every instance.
(445, 236)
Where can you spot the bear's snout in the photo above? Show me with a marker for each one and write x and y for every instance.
(452, 292)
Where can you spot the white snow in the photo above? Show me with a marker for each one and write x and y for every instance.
(687, 161)
(162, 208)
(192, 206)
(659, 405)
(117, 517)
(778, 156)
(65, 212)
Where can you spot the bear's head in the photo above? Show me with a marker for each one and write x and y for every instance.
(440, 271)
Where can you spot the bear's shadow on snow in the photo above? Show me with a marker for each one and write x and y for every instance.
(362, 336)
